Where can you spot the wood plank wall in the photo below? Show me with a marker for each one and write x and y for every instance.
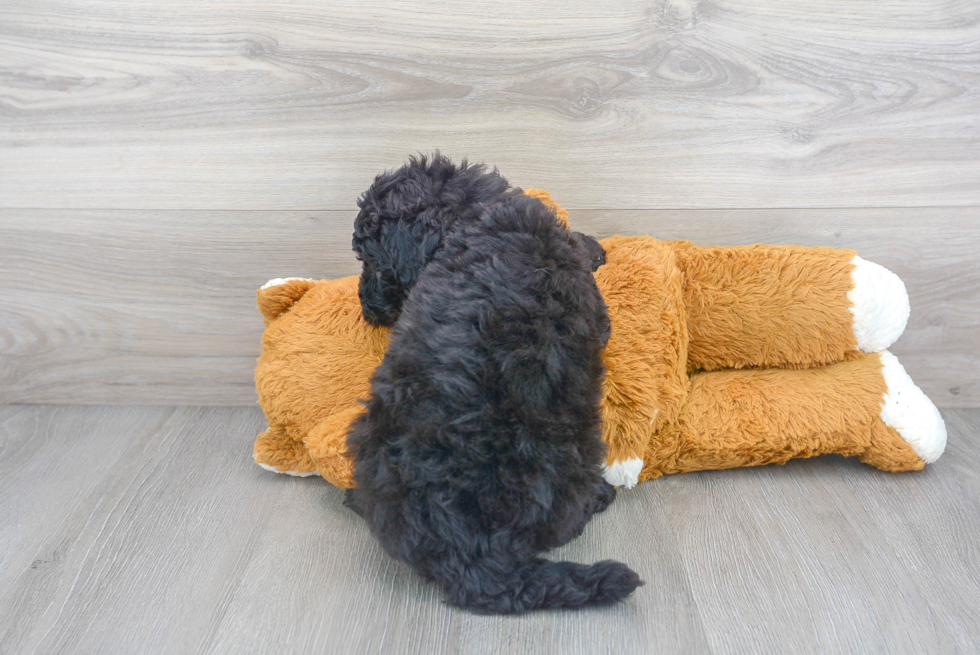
(159, 161)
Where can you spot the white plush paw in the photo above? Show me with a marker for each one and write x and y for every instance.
(879, 304)
(910, 412)
(295, 474)
(623, 473)
(281, 280)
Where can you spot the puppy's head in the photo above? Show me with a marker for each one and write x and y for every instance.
(403, 218)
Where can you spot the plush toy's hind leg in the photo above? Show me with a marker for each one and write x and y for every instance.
(751, 417)
(879, 305)
(766, 306)
(278, 452)
(908, 412)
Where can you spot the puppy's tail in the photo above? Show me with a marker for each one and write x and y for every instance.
(542, 584)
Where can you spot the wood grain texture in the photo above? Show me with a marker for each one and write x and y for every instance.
(200, 149)
(159, 307)
(150, 530)
(952, 504)
(260, 104)
(130, 525)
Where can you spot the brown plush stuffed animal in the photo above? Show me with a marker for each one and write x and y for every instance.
(718, 358)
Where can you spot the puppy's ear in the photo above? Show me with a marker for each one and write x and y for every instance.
(403, 219)
(431, 229)
(410, 242)
(393, 262)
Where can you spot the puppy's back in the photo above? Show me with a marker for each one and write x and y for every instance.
(480, 447)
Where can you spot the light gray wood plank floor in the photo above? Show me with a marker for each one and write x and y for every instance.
(150, 530)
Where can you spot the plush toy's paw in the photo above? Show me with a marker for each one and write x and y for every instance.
(623, 473)
(879, 304)
(908, 411)
(276, 451)
(295, 474)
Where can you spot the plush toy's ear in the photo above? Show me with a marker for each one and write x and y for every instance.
(545, 197)
(276, 296)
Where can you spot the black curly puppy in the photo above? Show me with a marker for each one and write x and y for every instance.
(405, 215)
(480, 446)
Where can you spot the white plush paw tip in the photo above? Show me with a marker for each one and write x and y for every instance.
(295, 474)
(907, 410)
(623, 473)
(879, 305)
(280, 281)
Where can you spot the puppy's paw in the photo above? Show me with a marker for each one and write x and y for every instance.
(597, 254)
(607, 494)
(351, 503)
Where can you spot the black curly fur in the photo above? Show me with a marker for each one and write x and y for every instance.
(403, 219)
(480, 446)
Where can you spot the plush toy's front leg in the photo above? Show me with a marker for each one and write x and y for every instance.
(327, 446)
(867, 407)
(763, 306)
(275, 450)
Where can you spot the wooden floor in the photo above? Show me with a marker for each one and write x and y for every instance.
(149, 530)
(159, 161)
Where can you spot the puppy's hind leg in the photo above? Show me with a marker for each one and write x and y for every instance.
(607, 494)
(351, 503)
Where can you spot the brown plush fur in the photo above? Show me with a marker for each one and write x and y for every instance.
(747, 418)
(746, 305)
(774, 318)
(318, 354)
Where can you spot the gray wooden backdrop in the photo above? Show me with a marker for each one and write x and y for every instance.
(159, 161)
